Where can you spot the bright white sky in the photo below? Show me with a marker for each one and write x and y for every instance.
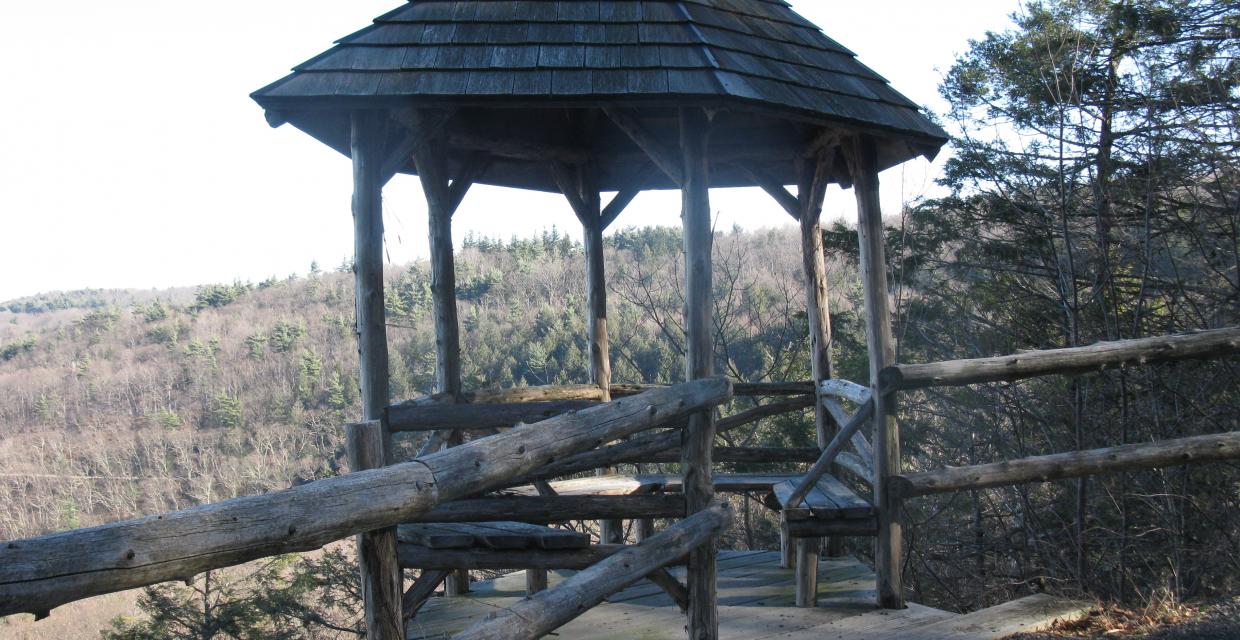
(132, 156)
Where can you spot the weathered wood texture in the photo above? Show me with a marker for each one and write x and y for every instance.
(1213, 343)
(369, 133)
(807, 550)
(544, 510)
(638, 447)
(813, 189)
(829, 499)
(381, 577)
(671, 586)
(476, 417)
(699, 437)
(414, 556)
(850, 391)
(421, 591)
(814, 528)
(1074, 464)
(863, 164)
(535, 581)
(829, 455)
(754, 389)
(536, 616)
(579, 188)
(38, 574)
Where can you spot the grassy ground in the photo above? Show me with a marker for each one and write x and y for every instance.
(1218, 620)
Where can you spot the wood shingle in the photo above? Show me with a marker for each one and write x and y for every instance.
(754, 56)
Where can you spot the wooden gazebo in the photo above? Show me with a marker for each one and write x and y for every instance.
(582, 98)
(585, 97)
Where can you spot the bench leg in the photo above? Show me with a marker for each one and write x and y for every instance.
(535, 581)
(787, 550)
(645, 529)
(807, 550)
(457, 583)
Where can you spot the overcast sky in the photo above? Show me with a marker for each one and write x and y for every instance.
(132, 156)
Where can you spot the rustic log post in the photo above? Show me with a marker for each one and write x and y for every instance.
(382, 579)
(440, 207)
(539, 615)
(369, 131)
(699, 437)
(863, 164)
(38, 574)
(812, 192)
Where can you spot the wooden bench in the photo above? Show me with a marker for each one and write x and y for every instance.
(829, 509)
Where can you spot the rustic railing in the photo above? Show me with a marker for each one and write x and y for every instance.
(38, 574)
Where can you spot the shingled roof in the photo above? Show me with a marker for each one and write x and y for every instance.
(750, 55)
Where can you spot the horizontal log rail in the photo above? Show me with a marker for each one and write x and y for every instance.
(413, 556)
(538, 615)
(549, 509)
(635, 449)
(741, 455)
(38, 574)
(829, 454)
(1075, 464)
(850, 391)
(1213, 343)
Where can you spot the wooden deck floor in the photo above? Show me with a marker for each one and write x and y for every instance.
(755, 597)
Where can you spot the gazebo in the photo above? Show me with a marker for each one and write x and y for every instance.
(585, 98)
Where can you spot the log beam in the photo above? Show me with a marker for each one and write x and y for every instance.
(664, 158)
(38, 574)
(1074, 464)
(541, 614)
(421, 591)
(419, 557)
(1213, 343)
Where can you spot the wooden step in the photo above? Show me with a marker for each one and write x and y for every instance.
(1030, 613)
(829, 500)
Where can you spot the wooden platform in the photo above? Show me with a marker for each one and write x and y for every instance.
(755, 603)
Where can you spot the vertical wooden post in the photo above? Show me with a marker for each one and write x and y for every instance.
(807, 572)
(440, 208)
(381, 577)
(369, 130)
(699, 437)
(863, 163)
(811, 193)
(535, 581)
(582, 192)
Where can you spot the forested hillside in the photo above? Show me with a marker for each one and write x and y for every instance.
(113, 411)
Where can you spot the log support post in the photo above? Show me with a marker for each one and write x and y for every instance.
(699, 437)
(367, 150)
(806, 208)
(863, 164)
(442, 199)
(381, 576)
(580, 188)
(807, 550)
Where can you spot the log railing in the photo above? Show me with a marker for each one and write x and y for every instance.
(1073, 464)
(38, 574)
(1214, 343)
